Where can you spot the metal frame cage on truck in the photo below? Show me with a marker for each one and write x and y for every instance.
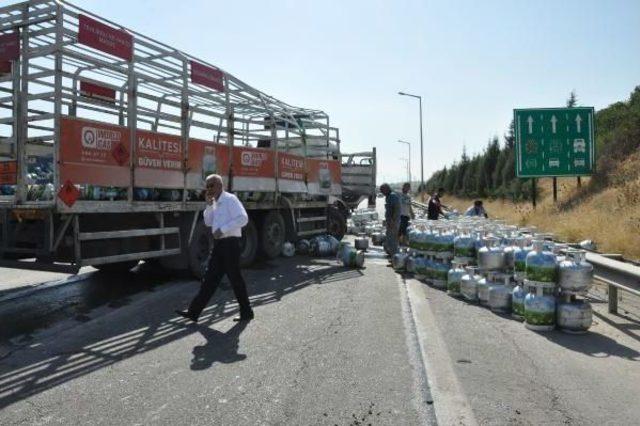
(106, 136)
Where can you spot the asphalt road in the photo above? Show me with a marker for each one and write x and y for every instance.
(329, 345)
(507, 374)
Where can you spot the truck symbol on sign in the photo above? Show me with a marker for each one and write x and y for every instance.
(579, 145)
(554, 162)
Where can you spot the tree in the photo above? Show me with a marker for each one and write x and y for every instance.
(464, 165)
(490, 161)
(573, 99)
(509, 168)
(481, 176)
(451, 178)
(496, 177)
(510, 137)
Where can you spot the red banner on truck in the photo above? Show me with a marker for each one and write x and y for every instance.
(9, 47)
(206, 158)
(207, 76)
(8, 172)
(158, 160)
(97, 91)
(291, 173)
(253, 169)
(94, 153)
(323, 177)
(105, 38)
(5, 67)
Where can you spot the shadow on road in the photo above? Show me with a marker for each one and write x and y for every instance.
(95, 345)
(220, 347)
(593, 344)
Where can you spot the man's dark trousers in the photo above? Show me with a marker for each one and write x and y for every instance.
(223, 259)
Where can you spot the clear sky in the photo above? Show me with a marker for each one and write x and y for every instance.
(472, 61)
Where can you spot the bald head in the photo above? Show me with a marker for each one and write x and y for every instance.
(385, 189)
(214, 186)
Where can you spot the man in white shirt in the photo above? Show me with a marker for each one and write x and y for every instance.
(226, 216)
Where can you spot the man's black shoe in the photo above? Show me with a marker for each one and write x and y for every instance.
(187, 315)
(243, 317)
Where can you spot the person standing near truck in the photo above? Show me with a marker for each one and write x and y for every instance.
(226, 216)
(392, 218)
(434, 208)
(406, 212)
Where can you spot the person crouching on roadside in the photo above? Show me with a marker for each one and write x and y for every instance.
(477, 209)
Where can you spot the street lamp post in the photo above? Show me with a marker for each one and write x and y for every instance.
(409, 145)
(408, 165)
(421, 145)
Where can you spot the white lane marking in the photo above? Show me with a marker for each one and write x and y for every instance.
(449, 401)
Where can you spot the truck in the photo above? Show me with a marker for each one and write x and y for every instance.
(106, 136)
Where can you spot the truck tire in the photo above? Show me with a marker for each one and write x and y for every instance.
(272, 234)
(117, 267)
(248, 244)
(336, 223)
(199, 249)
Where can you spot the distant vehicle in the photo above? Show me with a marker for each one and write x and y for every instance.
(359, 178)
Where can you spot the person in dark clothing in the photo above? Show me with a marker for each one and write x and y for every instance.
(435, 207)
(392, 218)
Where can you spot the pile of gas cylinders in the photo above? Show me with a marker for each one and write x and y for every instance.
(508, 269)
(327, 246)
(365, 224)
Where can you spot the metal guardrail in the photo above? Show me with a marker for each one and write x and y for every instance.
(616, 275)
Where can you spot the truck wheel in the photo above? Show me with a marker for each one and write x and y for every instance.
(336, 223)
(199, 249)
(117, 267)
(272, 233)
(248, 244)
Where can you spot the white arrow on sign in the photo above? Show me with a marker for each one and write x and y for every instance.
(554, 120)
(530, 121)
(578, 122)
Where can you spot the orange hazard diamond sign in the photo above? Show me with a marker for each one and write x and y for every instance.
(120, 154)
(69, 194)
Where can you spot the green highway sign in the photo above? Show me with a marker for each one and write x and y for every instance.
(554, 142)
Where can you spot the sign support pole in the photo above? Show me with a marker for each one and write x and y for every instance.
(555, 189)
(533, 192)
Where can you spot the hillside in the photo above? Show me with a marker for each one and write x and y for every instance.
(606, 208)
(611, 217)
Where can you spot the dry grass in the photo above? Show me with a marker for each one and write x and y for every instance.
(610, 217)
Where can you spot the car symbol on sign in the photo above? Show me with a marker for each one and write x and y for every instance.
(579, 145)
(579, 162)
(554, 162)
